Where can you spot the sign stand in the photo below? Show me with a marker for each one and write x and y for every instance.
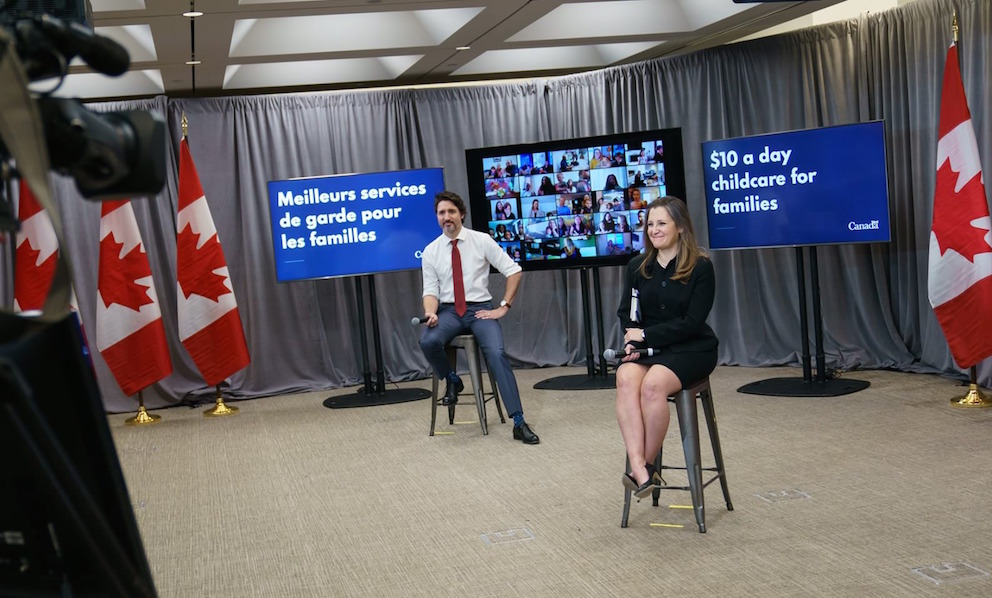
(373, 394)
(807, 386)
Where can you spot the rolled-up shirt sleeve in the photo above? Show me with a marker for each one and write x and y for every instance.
(432, 282)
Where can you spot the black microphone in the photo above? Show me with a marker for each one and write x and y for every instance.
(419, 320)
(101, 53)
(612, 354)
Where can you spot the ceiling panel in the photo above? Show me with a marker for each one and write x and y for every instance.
(266, 46)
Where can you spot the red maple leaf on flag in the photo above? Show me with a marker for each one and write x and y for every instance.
(196, 273)
(950, 231)
(118, 276)
(31, 279)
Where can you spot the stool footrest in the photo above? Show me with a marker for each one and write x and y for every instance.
(705, 484)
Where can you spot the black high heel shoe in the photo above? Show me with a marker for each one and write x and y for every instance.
(654, 481)
(630, 483)
(654, 474)
(645, 489)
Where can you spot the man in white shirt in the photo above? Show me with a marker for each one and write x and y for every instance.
(445, 296)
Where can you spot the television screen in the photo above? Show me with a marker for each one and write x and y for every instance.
(810, 187)
(352, 224)
(576, 202)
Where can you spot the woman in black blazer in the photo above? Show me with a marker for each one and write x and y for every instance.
(668, 294)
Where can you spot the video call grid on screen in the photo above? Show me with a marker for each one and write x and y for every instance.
(573, 203)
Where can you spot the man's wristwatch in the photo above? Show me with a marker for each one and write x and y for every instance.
(644, 335)
(503, 303)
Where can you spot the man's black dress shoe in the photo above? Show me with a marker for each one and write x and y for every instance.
(524, 434)
(451, 392)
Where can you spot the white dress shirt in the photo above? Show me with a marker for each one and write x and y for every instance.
(478, 251)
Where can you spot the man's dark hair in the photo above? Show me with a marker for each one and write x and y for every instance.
(453, 198)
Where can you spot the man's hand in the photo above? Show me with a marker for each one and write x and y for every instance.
(491, 314)
(431, 319)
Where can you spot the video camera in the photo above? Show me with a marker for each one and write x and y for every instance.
(67, 522)
(110, 155)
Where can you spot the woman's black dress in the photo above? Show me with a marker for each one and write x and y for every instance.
(673, 315)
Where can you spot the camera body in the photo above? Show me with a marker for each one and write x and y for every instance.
(111, 155)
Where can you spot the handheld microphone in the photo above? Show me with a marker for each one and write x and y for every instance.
(419, 320)
(612, 354)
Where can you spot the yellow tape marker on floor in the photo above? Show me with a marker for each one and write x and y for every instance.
(666, 525)
(474, 421)
(679, 506)
(444, 433)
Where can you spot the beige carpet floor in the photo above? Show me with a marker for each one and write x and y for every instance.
(886, 492)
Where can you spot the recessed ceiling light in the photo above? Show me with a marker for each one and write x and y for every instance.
(463, 48)
(192, 62)
(193, 13)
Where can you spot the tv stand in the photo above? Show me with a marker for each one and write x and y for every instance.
(596, 378)
(823, 385)
(373, 394)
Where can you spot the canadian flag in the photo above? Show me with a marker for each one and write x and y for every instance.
(129, 330)
(35, 256)
(36, 253)
(209, 321)
(960, 263)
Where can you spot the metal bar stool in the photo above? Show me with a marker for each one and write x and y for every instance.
(685, 406)
(475, 358)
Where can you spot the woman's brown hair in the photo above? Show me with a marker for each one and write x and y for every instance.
(689, 251)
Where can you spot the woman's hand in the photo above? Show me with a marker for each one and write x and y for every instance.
(630, 356)
(633, 335)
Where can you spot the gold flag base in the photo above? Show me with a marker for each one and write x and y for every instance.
(143, 418)
(973, 398)
(220, 409)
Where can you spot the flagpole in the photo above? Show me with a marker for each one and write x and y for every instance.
(143, 417)
(974, 397)
(220, 408)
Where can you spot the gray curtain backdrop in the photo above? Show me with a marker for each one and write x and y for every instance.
(304, 335)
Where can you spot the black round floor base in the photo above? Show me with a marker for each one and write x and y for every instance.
(387, 397)
(578, 382)
(798, 387)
